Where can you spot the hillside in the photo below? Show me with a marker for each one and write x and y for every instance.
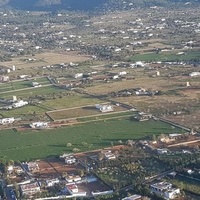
(85, 4)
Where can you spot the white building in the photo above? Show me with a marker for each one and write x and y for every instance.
(70, 160)
(162, 151)
(166, 190)
(52, 182)
(193, 74)
(115, 77)
(35, 84)
(73, 178)
(104, 108)
(7, 120)
(19, 104)
(137, 64)
(78, 75)
(122, 73)
(39, 125)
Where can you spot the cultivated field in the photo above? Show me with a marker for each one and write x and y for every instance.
(28, 145)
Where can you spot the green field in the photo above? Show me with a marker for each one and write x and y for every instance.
(26, 93)
(23, 84)
(165, 56)
(29, 145)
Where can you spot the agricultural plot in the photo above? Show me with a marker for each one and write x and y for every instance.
(166, 56)
(29, 145)
(30, 92)
(70, 101)
(44, 59)
(80, 112)
(22, 84)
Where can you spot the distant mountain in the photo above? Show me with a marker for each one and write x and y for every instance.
(84, 4)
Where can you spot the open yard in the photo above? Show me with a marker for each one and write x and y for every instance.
(29, 145)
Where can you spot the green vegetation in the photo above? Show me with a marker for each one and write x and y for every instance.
(106, 116)
(22, 84)
(187, 184)
(166, 56)
(32, 92)
(27, 145)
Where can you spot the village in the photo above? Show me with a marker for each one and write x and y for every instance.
(100, 106)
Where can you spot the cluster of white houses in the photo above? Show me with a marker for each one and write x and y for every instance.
(15, 104)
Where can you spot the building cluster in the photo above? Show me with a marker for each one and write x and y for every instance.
(39, 125)
(12, 104)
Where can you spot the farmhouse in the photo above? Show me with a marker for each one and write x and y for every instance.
(39, 125)
(4, 79)
(108, 155)
(70, 160)
(7, 120)
(104, 108)
(30, 189)
(165, 189)
(162, 151)
(78, 75)
(52, 182)
(73, 178)
(35, 84)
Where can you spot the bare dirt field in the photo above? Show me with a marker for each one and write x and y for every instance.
(47, 58)
(55, 168)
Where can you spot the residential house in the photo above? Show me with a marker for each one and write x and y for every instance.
(52, 182)
(30, 189)
(165, 189)
(104, 108)
(70, 160)
(73, 178)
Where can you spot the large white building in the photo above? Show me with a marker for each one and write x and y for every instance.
(19, 104)
(193, 74)
(39, 125)
(165, 189)
(104, 108)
